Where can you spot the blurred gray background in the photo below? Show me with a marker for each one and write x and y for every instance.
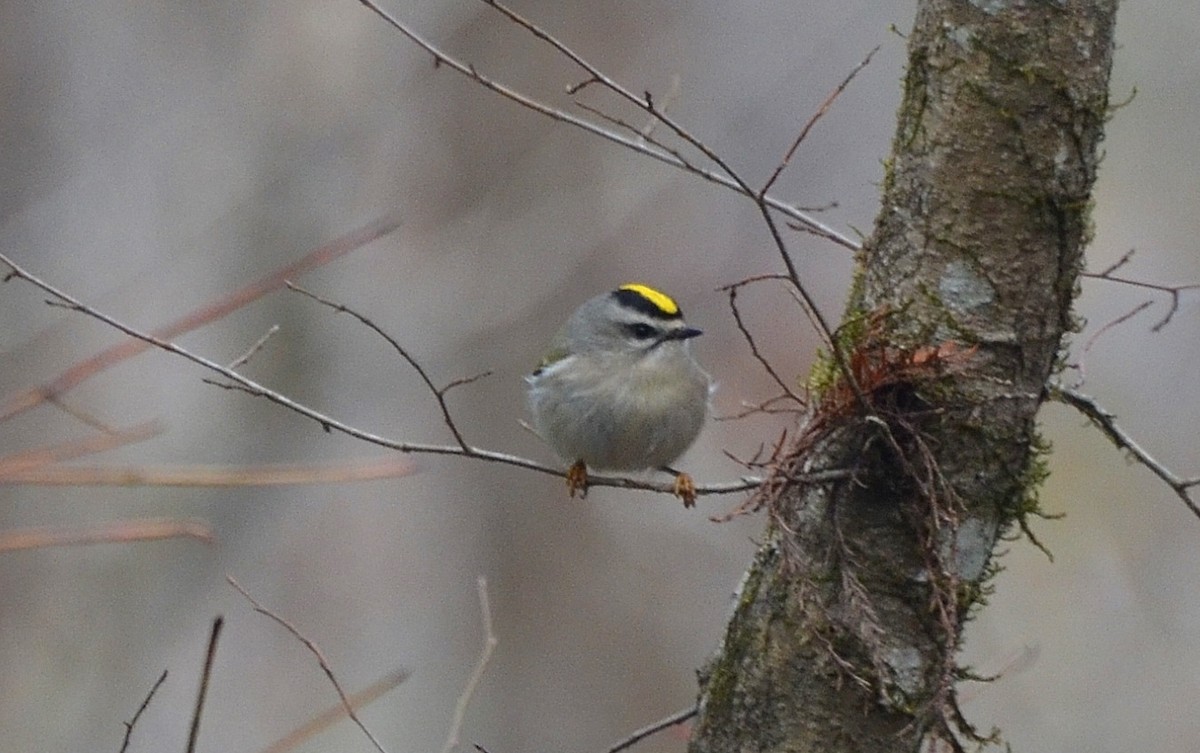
(156, 155)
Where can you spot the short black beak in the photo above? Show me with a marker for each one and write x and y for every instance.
(687, 333)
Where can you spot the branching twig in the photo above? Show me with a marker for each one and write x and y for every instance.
(732, 290)
(646, 103)
(730, 178)
(316, 651)
(127, 349)
(666, 101)
(634, 143)
(812, 121)
(768, 406)
(244, 358)
(137, 714)
(1107, 424)
(645, 135)
(1125, 259)
(485, 656)
(205, 676)
(1172, 290)
(328, 423)
(439, 393)
(336, 713)
(637, 736)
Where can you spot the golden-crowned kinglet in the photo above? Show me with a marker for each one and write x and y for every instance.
(619, 389)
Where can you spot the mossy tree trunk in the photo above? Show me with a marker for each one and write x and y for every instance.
(848, 622)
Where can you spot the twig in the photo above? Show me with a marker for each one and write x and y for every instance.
(730, 179)
(316, 651)
(1100, 332)
(210, 655)
(244, 358)
(646, 103)
(634, 738)
(732, 290)
(79, 414)
(336, 713)
(151, 529)
(137, 714)
(644, 134)
(88, 368)
(30, 461)
(666, 101)
(439, 393)
(1107, 424)
(328, 423)
(1125, 259)
(812, 121)
(767, 406)
(1173, 290)
(634, 143)
(485, 656)
(281, 474)
(598, 76)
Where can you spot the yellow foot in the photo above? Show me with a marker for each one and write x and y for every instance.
(577, 479)
(685, 489)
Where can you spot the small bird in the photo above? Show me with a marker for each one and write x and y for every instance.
(619, 389)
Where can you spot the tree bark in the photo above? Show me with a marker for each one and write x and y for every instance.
(847, 624)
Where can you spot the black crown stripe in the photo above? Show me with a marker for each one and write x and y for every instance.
(634, 300)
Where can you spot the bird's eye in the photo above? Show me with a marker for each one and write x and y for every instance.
(642, 331)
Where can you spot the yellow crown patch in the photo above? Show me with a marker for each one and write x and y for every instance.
(663, 302)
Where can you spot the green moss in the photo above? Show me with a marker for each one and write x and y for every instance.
(1028, 502)
(825, 372)
(719, 678)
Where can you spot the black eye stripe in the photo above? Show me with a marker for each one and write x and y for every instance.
(642, 331)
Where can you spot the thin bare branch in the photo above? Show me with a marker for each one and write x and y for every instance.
(809, 306)
(679, 717)
(439, 393)
(328, 423)
(485, 656)
(812, 121)
(1175, 291)
(667, 100)
(600, 78)
(34, 460)
(633, 143)
(88, 368)
(646, 103)
(732, 291)
(212, 475)
(1087, 347)
(209, 656)
(336, 713)
(316, 651)
(137, 714)
(79, 414)
(1125, 259)
(731, 178)
(768, 406)
(464, 381)
(1107, 424)
(648, 137)
(121, 532)
(244, 358)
